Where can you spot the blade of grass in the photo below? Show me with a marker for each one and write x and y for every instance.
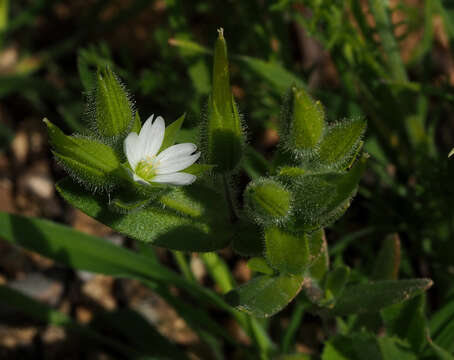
(390, 46)
(42, 312)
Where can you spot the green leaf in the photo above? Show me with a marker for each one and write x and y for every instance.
(442, 326)
(318, 255)
(259, 264)
(265, 295)
(388, 260)
(277, 76)
(441, 353)
(87, 161)
(285, 251)
(371, 297)
(187, 223)
(335, 282)
(85, 252)
(248, 239)
(171, 133)
(341, 143)
(267, 201)
(200, 76)
(407, 321)
(359, 346)
(114, 115)
(73, 248)
(192, 46)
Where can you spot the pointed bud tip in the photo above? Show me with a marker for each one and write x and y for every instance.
(221, 33)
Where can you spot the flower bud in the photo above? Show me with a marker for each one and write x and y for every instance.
(222, 134)
(268, 201)
(304, 127)
(87, 161)
(113, 111)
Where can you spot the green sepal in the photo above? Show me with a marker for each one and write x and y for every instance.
(171, 133)
(137, 125)
(285, 251)
(198, 169)
(268, 201)
(321, 198)
(265, 295)
(304, 129)
(87, 161)
(259, 264)
(222, 134)
(113, 110)
(340, 144)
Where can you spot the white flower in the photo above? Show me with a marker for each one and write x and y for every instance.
(148, 166)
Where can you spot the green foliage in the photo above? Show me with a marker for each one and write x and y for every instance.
(335, 282)
(359, 73)
(407, 321)
(356, 346)
(377, 295)
(388, 260)
(180, 221)
(259, 264)
(265, 295)
(287, 252)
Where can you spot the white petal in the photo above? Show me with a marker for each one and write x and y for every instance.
(138, 179)
(179, 178)
(176, 151)
(151, 136)
(175, 164)
(132, 150)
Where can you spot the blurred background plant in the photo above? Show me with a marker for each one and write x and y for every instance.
(390, 62)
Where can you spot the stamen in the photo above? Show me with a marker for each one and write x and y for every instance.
(146, 168)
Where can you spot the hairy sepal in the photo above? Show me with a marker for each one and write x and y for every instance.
(87, 161)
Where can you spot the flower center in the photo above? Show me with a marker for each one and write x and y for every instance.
(146, 168)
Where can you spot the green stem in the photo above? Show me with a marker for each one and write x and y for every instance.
(183, 265)
(229, 198)
(290, 332)
(4, 10)
(389, 43)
